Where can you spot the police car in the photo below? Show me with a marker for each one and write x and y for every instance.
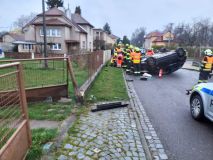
(201, 101)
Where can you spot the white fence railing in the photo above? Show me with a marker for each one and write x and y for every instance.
(106, 56)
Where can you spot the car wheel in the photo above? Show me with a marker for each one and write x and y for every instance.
(196, 107)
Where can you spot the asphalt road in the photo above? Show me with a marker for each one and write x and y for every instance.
(168, 109)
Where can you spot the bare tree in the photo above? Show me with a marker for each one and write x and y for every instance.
(138, 37)
(23, 20)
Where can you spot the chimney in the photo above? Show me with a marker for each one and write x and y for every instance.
(68, 12)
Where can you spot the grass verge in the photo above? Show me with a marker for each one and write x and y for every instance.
(108, 86)
(50, 111)
(39, 138)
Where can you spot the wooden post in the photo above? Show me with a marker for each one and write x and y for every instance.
(23, 100)
(78, 96)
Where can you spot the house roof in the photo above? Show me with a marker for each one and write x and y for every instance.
(158, 39)
(53, 21)
(154, 34)
(77, 18)
(24, 42)
(98, 29)
(16, 36)
(77, 26)
(113, 36)
(53, 12)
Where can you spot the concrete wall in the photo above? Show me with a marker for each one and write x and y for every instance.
(106, 56)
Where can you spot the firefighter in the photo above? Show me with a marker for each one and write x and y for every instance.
(150, 52)
(132, 52)
(136, 59)
(125, 56)
(119, 59)
(118, 48)
(128, 61)
(206, 66)
(113, 61)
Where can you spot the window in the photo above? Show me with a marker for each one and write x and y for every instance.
(51, 32)
(27, 46)
(56, 46)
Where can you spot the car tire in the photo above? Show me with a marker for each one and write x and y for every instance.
(151, 64)
(180, 52)
(196, 107)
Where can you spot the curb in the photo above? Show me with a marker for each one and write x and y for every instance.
(191, 69)
(152, 145)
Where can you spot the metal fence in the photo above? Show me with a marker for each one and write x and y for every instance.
(89, 64)
(52, 72)
(196, 53)
(15, 136)
(43, 72)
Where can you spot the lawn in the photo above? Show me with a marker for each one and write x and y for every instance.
(108, 86)
(36, 75)
(49, 111)
(39, 138)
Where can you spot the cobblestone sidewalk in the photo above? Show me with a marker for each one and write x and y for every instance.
(107, 135)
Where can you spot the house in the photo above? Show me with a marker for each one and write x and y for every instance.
(88, 28)
(158, 39)
(102, 40)
(64, 34)
(8, 40)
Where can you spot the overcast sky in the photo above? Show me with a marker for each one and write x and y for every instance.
(124, 16)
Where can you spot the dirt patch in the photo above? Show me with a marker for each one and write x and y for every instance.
(44, 124)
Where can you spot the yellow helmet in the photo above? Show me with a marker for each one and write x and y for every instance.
(130, 47)
(137, 49)
(208, 52)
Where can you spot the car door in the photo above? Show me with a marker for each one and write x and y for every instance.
(209, 109)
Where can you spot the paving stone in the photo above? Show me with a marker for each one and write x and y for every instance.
(73, 153)
(127, 158)
(158, 146)
(62, 157)
(89, 153)
(163, 156)
(80, 156)
(68, 146)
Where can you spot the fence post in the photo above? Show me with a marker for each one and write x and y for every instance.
(23, 100)
(77, 93)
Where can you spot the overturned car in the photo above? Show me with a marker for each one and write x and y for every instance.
(167, 61)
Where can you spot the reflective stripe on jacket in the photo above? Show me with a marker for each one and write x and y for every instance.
(207, 63)
(136, 58)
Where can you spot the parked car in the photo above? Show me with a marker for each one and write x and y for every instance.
(201, 101)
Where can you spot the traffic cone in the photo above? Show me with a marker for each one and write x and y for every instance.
(160, 73)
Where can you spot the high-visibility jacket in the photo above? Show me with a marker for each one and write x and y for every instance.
(118, 50)
(128, 56)
(207, 63)
(149, 53)
(132, 55)
(136, 57)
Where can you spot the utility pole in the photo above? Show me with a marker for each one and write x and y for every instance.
(45, 35)
(170, 34)
(44, 29)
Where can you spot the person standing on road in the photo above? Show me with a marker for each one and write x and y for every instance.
(128, 61)
(206, 66)
(136, 59)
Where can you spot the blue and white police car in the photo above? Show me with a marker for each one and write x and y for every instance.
(201, 101)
